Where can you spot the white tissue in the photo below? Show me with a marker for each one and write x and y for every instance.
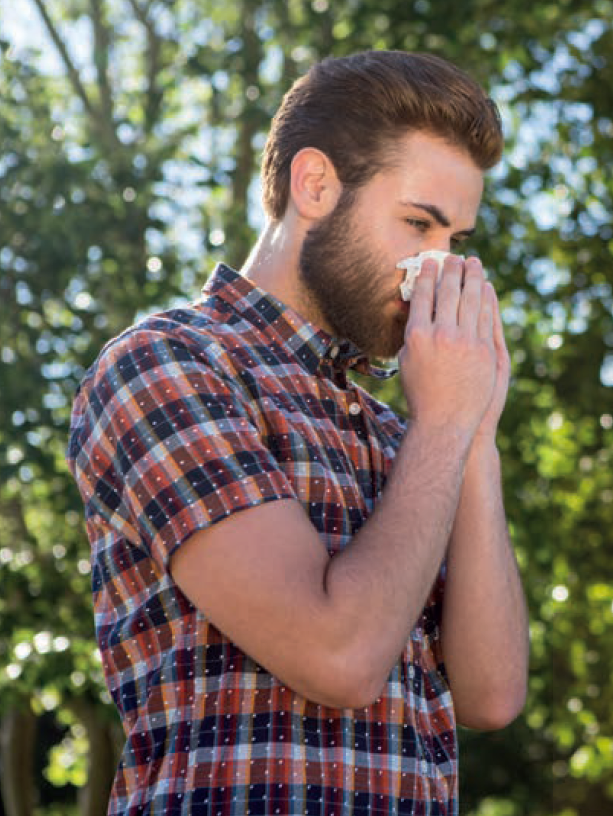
(413, 268)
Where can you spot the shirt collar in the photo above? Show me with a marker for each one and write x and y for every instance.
(313, 347)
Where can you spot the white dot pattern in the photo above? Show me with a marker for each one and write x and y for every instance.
(188, 417)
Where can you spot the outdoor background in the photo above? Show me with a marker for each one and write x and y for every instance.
(130, 136)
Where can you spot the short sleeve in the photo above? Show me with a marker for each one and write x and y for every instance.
(165, 442)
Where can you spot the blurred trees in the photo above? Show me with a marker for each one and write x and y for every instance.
(129, 150)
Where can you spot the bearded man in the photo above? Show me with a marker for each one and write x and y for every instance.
(299, 593)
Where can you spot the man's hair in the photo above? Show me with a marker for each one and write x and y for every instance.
(354, 109)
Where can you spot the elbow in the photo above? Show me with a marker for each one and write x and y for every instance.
(361, 692)
(361, 677)
(350, 695)
(492, 712)
(348, 684)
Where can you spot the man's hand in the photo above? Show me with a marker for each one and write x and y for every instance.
(489, 423)
(451, 357)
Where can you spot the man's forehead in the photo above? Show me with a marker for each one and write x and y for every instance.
(423, 154)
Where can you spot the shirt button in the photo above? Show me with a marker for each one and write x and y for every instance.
(354, 409)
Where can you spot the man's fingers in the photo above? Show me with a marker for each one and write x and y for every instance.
(470, 301)
(499, 338)
(498, 328)
(485, 327)
(422, 299)
(448, 295)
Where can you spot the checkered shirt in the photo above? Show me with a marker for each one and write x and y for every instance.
(191, 415)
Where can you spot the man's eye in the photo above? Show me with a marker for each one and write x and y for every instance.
(417, 223)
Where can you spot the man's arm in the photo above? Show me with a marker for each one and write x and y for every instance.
(484, 629)
(331, 629)
(485, 621)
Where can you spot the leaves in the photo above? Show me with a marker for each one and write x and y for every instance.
(130, 169)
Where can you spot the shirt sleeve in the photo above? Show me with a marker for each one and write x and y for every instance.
(165, 442)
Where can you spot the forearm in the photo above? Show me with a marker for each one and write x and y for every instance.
(331, 628)
(485, 627)
(378, 585)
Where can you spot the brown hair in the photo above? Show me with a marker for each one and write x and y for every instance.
(354, 109)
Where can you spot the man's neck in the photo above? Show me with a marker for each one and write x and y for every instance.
(273, 265)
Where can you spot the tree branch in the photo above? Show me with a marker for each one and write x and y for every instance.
(97, 115)
(153, 59)
(71, 70)
(101, 59)
(288, 36)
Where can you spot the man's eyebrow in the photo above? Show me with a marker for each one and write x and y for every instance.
(438, 215)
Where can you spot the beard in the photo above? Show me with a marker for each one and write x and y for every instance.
(346, 284)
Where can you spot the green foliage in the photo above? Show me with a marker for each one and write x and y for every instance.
(125, 178)
(68, 760)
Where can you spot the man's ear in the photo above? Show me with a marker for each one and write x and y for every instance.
(314, 186)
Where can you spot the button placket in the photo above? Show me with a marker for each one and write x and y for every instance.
(357, 414)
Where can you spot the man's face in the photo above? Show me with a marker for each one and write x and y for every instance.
(347, 264)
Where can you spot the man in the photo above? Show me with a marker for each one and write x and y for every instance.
(296, 592)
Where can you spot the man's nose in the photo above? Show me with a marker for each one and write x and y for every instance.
(442, 244)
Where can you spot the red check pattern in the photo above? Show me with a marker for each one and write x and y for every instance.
(193, 414)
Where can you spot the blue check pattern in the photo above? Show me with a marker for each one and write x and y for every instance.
(189, 416)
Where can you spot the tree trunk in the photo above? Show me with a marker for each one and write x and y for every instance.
(239, 235)
(17, 733)
(102, 760)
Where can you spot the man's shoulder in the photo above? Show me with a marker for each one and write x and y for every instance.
(173, 336)
(155, 361)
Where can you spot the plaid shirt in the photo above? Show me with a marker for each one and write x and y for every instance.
(189, 416)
